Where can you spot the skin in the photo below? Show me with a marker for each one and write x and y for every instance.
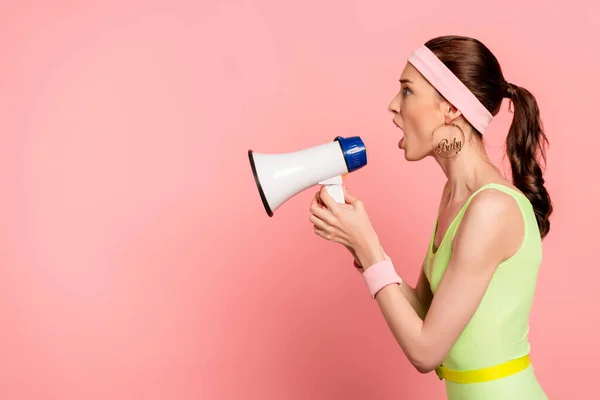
(426, 326)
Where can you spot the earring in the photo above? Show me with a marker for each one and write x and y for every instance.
(447, 144)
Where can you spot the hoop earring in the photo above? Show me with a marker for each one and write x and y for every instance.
(447, 147)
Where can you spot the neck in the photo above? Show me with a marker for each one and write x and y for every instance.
(468, 170)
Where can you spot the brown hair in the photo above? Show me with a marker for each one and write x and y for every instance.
(475, 65)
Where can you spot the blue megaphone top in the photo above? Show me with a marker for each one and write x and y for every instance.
(354, 150)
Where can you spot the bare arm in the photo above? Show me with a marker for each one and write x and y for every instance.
(491, 231)
(420, 297)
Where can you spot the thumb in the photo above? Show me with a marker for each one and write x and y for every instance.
(327, 200)
(350, 199)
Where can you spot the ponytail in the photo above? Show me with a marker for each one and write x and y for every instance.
(525, 138)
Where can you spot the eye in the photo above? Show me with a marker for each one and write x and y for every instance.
(406, 91)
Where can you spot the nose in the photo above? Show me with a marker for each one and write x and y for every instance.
(394, 106)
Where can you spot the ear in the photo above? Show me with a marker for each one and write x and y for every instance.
(451, 113)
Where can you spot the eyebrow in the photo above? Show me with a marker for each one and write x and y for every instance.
(405, 81)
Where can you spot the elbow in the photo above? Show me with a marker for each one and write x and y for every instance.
(424, 366)
(425, 354)
(426, 360)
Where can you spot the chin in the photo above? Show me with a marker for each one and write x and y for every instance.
(410, 156)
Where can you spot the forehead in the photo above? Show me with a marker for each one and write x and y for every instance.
(409, 72)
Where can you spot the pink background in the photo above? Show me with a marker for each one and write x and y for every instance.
(137, 261)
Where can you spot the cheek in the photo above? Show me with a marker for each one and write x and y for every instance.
(416, 119)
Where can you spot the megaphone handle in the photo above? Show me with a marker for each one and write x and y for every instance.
(334, 187)
(337, 192)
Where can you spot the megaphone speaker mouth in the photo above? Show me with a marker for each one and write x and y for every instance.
(258, 185)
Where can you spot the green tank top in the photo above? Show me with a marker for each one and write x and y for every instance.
(498, 330)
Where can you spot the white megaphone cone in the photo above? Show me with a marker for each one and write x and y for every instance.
(281, 176)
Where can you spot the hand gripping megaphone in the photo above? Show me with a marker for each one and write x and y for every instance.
(280, 176)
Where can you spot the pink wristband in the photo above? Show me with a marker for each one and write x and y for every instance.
(380, 275)
(359, 267)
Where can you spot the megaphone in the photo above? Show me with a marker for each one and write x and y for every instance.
(280, 176)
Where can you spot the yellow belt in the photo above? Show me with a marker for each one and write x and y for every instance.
(484, 374)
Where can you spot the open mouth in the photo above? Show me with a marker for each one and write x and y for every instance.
(401, 142)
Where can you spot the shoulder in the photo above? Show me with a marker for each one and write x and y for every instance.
(492, 205)
(492, 226)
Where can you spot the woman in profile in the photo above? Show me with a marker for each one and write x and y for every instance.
(467, 317)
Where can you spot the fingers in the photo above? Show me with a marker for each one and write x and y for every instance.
(326, 230)
(329, 202)
(321, 212)
(330, 235)
(325, 217)
(350, 199)
(322, 233)
(318, 197)
(320, 224)
(321, 217)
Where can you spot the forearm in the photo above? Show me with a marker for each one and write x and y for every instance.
(404, 313)
(411, 294)
(405, 323)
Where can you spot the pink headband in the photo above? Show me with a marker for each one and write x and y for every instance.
(450, 87)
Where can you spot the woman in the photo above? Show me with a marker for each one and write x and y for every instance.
(467, 317)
